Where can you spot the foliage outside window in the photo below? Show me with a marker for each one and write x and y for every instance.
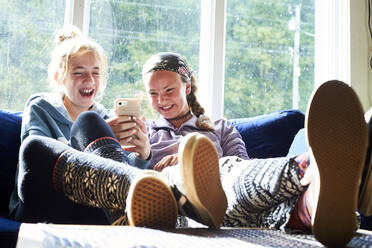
(132, 31)
(260, 55)
(26, 40)
(260, 48)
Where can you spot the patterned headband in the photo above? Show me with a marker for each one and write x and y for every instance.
(171, 62)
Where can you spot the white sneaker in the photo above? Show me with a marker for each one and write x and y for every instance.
(201, 180)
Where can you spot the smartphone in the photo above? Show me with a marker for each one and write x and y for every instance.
(128, 106)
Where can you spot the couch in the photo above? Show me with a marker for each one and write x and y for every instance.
(268, 135)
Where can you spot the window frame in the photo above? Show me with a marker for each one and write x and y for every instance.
(212, 57)
(332, 41)
(77, 12)
(360, 51)
(341, 41)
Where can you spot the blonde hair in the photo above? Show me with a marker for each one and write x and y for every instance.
(69, 43)
(168, 61)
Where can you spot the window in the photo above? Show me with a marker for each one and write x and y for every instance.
(26, 40)
(269, 47)
(269, 62)
(132, 31)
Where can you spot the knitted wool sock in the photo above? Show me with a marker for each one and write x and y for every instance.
(93, 180)
(91, 134)
(263, 193)
(108, 147)
(38, 201)
(37, 155)
(268, 182)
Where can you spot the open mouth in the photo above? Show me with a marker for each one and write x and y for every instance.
(165, 108)
(86, 92)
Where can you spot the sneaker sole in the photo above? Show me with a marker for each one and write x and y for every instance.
(338, 136)
(201, 177)
(150, 203)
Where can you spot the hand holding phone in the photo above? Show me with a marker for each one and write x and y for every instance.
(130, 132)
(128, 106)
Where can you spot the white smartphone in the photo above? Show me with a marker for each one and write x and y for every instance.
(128, 106)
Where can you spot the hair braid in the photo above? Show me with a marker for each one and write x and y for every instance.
(203, 122)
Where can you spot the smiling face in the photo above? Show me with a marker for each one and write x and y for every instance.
(81, 83)
(167, 93)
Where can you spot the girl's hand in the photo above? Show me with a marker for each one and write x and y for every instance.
(166, 161)
(132, 134)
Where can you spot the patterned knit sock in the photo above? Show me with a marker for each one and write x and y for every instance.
(263, 193)
(107, 147)
(38, 200)
(93, 180)
(91, 134)
(37, 155)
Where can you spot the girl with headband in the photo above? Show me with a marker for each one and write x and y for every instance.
(276, 193)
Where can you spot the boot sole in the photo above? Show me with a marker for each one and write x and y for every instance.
(338, 136)
(150, 203)
(201, 177)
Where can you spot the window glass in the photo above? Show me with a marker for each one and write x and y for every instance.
(262, 54)
(26, 40)
(131, 31)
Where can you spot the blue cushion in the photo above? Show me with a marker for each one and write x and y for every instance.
(299, 144)
(7, 225)
(8, 232)
(10, 129)
(270, 135)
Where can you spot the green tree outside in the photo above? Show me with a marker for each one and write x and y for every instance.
(26, 40)
(259, 45)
